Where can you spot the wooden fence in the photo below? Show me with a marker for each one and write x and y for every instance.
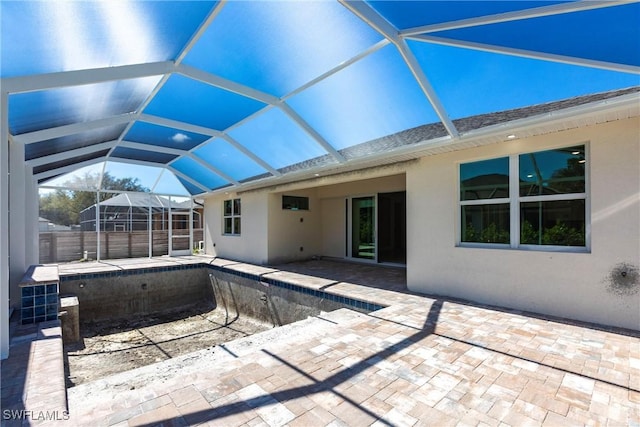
(65, 246)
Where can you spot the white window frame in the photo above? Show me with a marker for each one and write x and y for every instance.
(233, 216)
(514, 200)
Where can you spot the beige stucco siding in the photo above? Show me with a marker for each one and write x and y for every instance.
(294, 235)
(251, 244)
(573, 285)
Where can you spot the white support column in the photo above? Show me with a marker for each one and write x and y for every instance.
(150, 228)
(98, 226)
(4, 226)
(191, 225)
(17, 220)
(32, 215)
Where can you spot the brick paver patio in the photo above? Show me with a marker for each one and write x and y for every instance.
(419, 362)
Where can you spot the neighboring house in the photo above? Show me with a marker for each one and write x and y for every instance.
(131, 211)
(536, 209)
(46, 225)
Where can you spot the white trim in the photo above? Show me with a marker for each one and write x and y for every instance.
(514, 203)
(536, 12)
(74, 128)
(563, 59)
(477, 202)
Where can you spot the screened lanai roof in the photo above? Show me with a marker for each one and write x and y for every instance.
(204, 96)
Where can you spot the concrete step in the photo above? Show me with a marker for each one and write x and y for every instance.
(214, 358)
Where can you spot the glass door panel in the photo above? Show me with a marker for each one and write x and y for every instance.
(363, 227)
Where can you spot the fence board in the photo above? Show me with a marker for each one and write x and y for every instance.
(65, 246)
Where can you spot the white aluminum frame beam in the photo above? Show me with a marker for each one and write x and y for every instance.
(368, 15)
(571, 60)
(4, 225)
(188, 179)
(69, 168)
(76, 152)
(537, 12)
(85, 77)
(210, 132)
(213, 169)
(74, 128)
(267, 99)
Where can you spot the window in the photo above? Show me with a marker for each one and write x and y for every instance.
(543, 194)
(295, 203)
(231, 216)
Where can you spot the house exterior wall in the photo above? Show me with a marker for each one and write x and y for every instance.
(294, 234)
(582, 286)
(251, 244)
(577, 285)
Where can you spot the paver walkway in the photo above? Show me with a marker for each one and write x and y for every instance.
(420, 361)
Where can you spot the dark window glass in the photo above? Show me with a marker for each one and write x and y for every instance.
(487, 179)
(236, 225)
(553, 172)
(558, 223)
(227, 207)
(486, 223)
(236, 206)
(295, 203)
(227, 226)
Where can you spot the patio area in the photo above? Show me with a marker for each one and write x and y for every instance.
(420, 361)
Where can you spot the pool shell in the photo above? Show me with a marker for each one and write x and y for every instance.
(138, 291)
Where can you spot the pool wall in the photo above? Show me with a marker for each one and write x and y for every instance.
(124, 293)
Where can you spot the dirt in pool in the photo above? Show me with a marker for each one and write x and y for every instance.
(113, 346)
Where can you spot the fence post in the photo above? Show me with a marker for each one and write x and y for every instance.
(53, 247)
(81, 243)
(129, 243)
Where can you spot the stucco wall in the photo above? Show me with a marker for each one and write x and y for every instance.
(251, 244)
(294, 235)
(573, 285)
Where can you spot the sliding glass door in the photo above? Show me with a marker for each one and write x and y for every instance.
(363, 227)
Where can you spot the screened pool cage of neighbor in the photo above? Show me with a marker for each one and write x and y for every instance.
(81, 225)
